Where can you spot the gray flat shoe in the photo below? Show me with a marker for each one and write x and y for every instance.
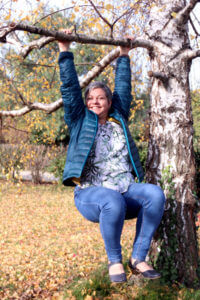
(117, 277)
(150, 274)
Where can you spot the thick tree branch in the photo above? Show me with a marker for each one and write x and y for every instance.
(37, 44)
(4, 31)
(190, 54)
(159, 76)
(100, 67)
(58, 35)
(49, 108)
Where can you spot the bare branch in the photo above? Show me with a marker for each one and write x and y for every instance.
(197, 20)
(53, 13)
(183, 15)
(63, 9)
(124, 14)
(193, 27)
(49, 108)
(34, 106)
(13, 39)
(190, 54)
(52, 79)
(4, 31)
(101, 66)
(38, 65)
(162, 77)
(37, 44)
(17, 129)
(102, 17)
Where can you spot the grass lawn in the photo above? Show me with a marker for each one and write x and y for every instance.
(49, 251)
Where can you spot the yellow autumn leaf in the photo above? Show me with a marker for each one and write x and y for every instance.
(109, 6)
(173, 14)
(99, 27)
(73, 16)
(76, 9)
(7, 17)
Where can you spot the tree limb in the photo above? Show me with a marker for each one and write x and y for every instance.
(4, 31)
(49, 108)
(190, 54)
(37, 44)
(159, 76)
(58, 35)
(183, 15)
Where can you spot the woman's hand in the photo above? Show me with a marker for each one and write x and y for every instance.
(125, 50)
(64, 46)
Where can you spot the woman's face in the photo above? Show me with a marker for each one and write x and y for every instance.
(98, 102)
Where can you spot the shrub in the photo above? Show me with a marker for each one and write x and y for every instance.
(58, 163)
(11, 160)
(38, 160)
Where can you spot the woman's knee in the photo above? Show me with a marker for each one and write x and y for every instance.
(114, 205)
(91, 202)
(157, 196)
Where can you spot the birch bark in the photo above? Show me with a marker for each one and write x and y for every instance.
(171, 142)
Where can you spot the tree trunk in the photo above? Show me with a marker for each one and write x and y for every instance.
(170, 155)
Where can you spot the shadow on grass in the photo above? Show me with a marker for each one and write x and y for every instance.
(98, 286)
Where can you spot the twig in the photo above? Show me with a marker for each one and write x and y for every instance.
(102, 17)
(162, 77)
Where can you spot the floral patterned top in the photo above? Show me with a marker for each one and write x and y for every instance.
(108, 164)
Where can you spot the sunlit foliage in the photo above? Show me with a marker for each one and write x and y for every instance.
(36, 78)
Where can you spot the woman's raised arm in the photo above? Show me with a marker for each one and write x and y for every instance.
(70, 88)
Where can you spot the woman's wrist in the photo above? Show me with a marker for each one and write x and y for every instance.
(65, 45)
(124, 51)
(63, 48)
(124, 54)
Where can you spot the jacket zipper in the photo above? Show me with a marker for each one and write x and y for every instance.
(92, 142)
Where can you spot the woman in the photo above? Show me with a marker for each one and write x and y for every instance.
(102, 161)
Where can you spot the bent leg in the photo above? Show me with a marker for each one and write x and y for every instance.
(147, 202)
(106, 206)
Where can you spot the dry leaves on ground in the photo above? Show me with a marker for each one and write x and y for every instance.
(45, 243)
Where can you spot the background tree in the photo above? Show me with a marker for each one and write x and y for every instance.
(161, 27)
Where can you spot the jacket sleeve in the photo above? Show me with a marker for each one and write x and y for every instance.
(122, 93)
(70, 89)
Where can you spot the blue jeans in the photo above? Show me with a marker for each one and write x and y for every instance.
(110, 208)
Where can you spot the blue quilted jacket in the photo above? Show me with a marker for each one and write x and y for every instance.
(83, 123)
